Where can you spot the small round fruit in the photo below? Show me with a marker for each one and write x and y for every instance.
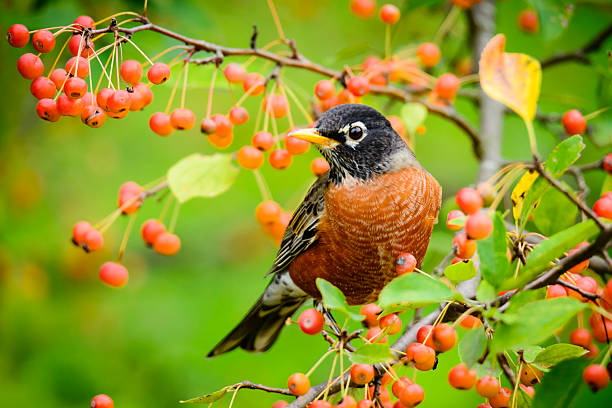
(234, 73)
(296, 146)
(93, 116)
(267, 212)
(18, 35)
(461, 378)
(324, 89)
(429, 54)
(131, 71)
(182, 119)
(58, 76)
(47, 110)
(470, 322)
(468, 200)
(358, 85)
(42, 88)
(280, 159)
(446, 86)
(141, 97)
(530, 375)
(311, 321)
(101, 401)
(478, 226)
(581, 337)
(113, 274)
(573, 122)
(30, 66)
(371, 312)
(160, 124)
(276, 105)
(76, 42)
(444, 337)
(68, 106)
(603, 207)
(596, 377)
(85, 22)
(43, 41)
(79, 230)
(424, 336)
(502, 399)
(487, 386)
(362, 374)
(150, 230)
(423, 357)
(319, 166)
(238, 115)
(254, 84)
(167, 244)
(528, 21)
(405, 263)
(298, 384)
(464, 248)
(158, 73)
(75, 87)
(389, 14)
(119, 101)
(263, 141)
(391, 323)
(250, 157)
(208, 126)
(93, 240)
(129, 197)
(553, 291)
(375, 335)
(363, 8)
(607, 163)
(454, 214)
(412, 395)
(78, 66)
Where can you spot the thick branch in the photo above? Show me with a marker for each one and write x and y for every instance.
(581, 54)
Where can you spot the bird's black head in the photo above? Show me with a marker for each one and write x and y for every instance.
(359, 142)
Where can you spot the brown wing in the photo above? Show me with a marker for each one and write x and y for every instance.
(302, 230)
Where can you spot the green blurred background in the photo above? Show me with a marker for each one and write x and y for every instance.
(65, 337)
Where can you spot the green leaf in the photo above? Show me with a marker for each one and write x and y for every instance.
(607, 184)
(371, 354)
(523, 400)
(334, 299)
(485, 292)
(461, 271)
(564, 155)
(561, 385)
(554, 16)
(522, 298)
(535, 322)
(553, 355)
(414, 290)
(494, 263)
(530, 351)
(208, 398)
(198, 175)
(532, 198)
(550, 249)
(472, 346)
(413, 114)
(555, 212)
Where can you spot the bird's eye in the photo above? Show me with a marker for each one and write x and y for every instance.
(356, 132)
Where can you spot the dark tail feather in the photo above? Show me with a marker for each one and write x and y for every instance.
(260, 328)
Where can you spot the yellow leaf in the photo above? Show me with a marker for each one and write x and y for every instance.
(520, 191)
(510, 78)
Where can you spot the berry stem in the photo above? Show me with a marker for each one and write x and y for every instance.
(387, 41)
(469, 79)
(282, 86)
(164, 52)
(174, 90)
(123, 13)
(447, 24)
(263, 187)
(234, 396)
(175, 213)
(104, 72)
(166, 207)
(126, 236)
(593, 115)
(58, 57)
(295, 99)
(331, 375)
(184, 90)
(321, 359)
(138, 48)
(279, 28)
(211, 90)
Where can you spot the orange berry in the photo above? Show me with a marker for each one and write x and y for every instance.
(298, 384)
(358, 85)
(363, 8)
(389, 14)
(208, 126)
(253, 84)
(167, 244)
(131, 71)
(93, 116)
(43, 41)
(250, 157)
(424, 336)
(158, 73)
(267, 212)
(324, 89)
(405, 263)
(129, 193)
(362, 373)
(311, 321)
(276, 105)
(553, 291)
(280, 159)
(375, 335)
(487, 386)
(371, 312)
(470, 322)
(78, 66)
(429, 54)
(119, 101)
(446, 86)
(234, 73)
(461, 378)
(464, 248)
(101, 401)
(391, 323)
(113, 274)
(444, 337)
(468, 200)
(238, 115)
(581, 337)
(93, 240)
(502, 399)
(223, 126)
(296, 146)
(160, 124)
(263, 141)
(528, 21)
(79, 231)
(412, 395)
(219, 141)
(319, 166)
(573, 122)
(478, 226)
(150, 230)
(182, 119)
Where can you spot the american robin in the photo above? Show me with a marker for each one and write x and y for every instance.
(374, 203)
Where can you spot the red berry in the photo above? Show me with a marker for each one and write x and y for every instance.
(276, 105)
(429, 54)
(502, 399)
(363, 8)
(182, 119)
(553, 291)
(238, 115)
(18, 35)
(76, 42)
(596, 377)
(573, 122)
(42, 88)
(607, 163)
(319, 166)
(487, 387)
(79, 230)
(103, 96)
(446, 86)
(444, 337)
(208, 126)
(601, 328)
(113, 274)
(468, 200)
(158, 73)
(75, 87)
(68, 106)
(58, 76)
(119, 101)
(160, 124)
(234, 73)
(131, 71)
(320, 404)
(528, 21)
(43, 41)
(405, 263)
(150, 230)
(362, 373)
(311, 321)
(399, 385)
(375, 335)
(296, 146)
(324, 89)
(263, 141)
(423, 357)
(223, 126)
(47, 110)
(412, 395)
(129, 192)
(461, 378)
(30, 66)
(582, 266)
(250, 157)
(254, 84)
(464, 248)
(389, 14)
(298, 384)
(280, 159)
(93, 116)
(391, 323)
(85, 22)
(451, 216)
(371, 312)
(478, 226)
(470, 322)
(603, 207)
(358, 85)
(167, 244)
(581, 337)
(141, 97)
(424, 335)
(81, 70)
(93, 240)
(267, 212)
(101, 401)
(280, 404)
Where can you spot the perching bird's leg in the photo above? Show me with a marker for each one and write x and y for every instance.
(329, 319)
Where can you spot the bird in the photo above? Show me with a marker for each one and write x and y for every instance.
(374, 203)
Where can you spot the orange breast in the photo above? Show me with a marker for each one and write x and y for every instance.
(365, 227)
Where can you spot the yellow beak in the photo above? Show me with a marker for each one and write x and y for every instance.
(313, 136)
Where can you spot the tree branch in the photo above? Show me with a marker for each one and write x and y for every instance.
(580, 55)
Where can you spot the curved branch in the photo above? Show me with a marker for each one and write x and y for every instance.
(580, 55)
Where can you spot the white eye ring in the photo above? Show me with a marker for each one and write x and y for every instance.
(350, 141)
